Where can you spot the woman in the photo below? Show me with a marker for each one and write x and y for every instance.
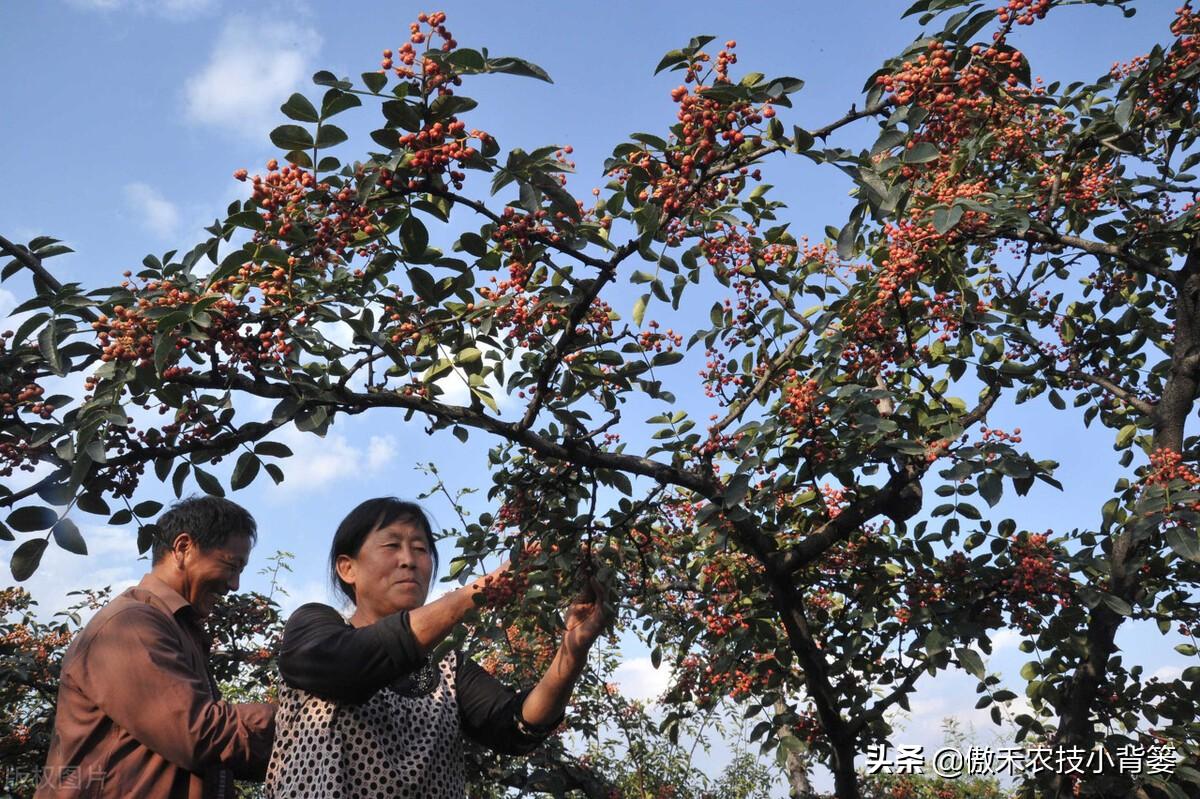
(363, 711)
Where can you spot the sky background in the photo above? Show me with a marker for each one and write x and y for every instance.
(123, 121)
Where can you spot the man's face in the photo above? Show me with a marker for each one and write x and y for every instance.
(210, 573)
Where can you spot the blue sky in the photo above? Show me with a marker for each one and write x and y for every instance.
(124, 120)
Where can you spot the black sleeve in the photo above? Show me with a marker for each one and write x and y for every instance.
(324, 655)
(490, 712)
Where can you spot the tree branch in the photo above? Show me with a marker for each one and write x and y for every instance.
(1125, 395)
(1096, 248)
(877, 710)
(863, 510)
(853, 115)
(764, 382)
(34, 264)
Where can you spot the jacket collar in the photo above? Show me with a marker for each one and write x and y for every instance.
(173, 600)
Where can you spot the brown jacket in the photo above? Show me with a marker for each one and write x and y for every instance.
(139, 713)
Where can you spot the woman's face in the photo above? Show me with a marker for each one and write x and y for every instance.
(391, 571)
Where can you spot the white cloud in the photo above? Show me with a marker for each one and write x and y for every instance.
(1006, 639)
(253, 68)
(155, 212)
(1167, 673)
(319, 462)
(112, 560)
(8, 301)
(380, 452)
(301, 593)
(456, 389)
(638, 679)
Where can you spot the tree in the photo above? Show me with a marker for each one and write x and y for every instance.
(1013, 242)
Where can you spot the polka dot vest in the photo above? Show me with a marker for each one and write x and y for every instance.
(400, 743)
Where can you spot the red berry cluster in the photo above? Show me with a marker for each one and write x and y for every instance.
(501, 589)
(652, 340)
(1024, 12)
(1036, 582)
(801, 406)
(20, 393)
(439, 145)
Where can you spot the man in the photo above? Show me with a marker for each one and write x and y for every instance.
(139, 714)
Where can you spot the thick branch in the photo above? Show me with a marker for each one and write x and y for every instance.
(853, 115)
(221, 445)
(863, 510)
(34, 264)
(577, 452)
(1125, 395)
(877, 710)
(1097, 248)
(764, 382)
(568, 336)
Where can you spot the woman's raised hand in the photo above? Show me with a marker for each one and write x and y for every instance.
(585, 619)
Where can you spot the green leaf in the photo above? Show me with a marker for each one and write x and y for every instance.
(423, 285)
(414, 237)
(273, 449)
(921, 153)
(375, 81)
(48, 345)
(28, 326)
(31, 518)
(208, 484)
(449, 105)
(312, 419)
(468, 355)
(847, 240)
(670, 59)
(1125, 436)
(1186, 542)
(802, 140)
(466, 59)
(969, 659)
(291, 137)
(300, 109)
(330, 135)
(336, 101)
(639, 309)
(991, 488)
(144, 510)
(406, 115)
(945, 219)
(92, 503)
(26, 558)
(516, 66)
(67, 536)
(1116, 604)
(244, 471)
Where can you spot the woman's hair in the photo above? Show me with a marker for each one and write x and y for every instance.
(369, 516)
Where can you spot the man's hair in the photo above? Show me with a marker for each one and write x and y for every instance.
(210, 521)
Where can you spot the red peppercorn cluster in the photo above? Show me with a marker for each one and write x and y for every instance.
(1036, 583)
(652, 340)
(1023, 12)
(439, 145)
(801, 407)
